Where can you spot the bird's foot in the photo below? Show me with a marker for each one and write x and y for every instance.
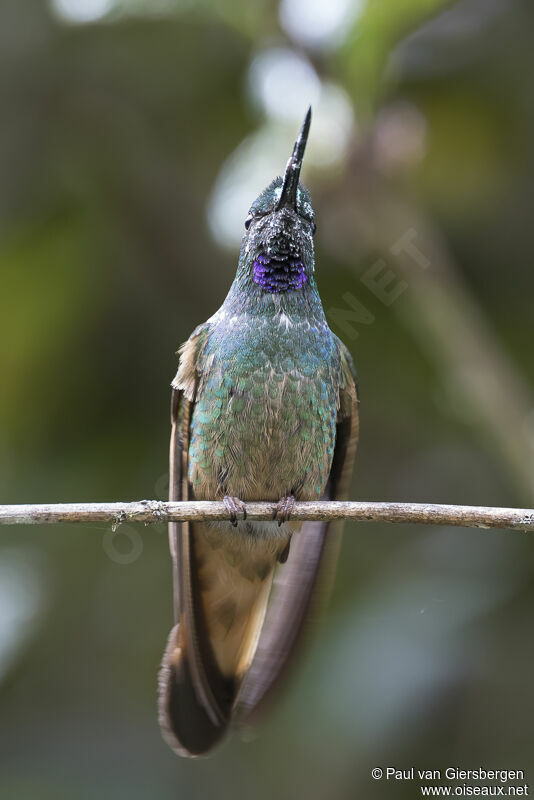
(283, 509)
(234, 505)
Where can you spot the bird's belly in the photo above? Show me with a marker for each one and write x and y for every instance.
(263, 437)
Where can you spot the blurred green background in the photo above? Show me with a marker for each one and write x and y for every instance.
(134, 135)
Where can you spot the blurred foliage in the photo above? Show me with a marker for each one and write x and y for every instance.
(113, 135)
(365, 53)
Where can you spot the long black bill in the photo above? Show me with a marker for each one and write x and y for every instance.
(288, 196)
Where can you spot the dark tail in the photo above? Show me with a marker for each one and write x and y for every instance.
(192, 723)
(221, 606)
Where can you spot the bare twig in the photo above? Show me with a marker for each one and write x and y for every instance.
(149, 511)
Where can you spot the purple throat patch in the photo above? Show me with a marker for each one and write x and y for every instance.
(281, 274)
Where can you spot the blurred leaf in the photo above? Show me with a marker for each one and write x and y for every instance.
(376, 31)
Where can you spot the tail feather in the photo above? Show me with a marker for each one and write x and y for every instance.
(224, 600)
(187, 723)
(234, 589)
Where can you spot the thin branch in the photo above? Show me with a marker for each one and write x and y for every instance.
(149, 511)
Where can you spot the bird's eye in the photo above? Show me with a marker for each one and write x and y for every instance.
(248, 221)
(313, 227)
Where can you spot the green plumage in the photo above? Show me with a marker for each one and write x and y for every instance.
(264, 421)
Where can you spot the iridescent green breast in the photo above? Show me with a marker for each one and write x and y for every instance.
(265, 418)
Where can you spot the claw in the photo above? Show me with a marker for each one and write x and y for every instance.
(283, 509)
(234, 505)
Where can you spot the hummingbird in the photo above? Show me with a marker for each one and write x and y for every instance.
(264, 407)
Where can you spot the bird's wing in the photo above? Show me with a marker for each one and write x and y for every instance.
(302, 582)
(195, 701)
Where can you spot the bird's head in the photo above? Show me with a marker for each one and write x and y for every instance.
(278, 241)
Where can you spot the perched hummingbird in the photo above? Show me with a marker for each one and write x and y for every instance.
(264, 407)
